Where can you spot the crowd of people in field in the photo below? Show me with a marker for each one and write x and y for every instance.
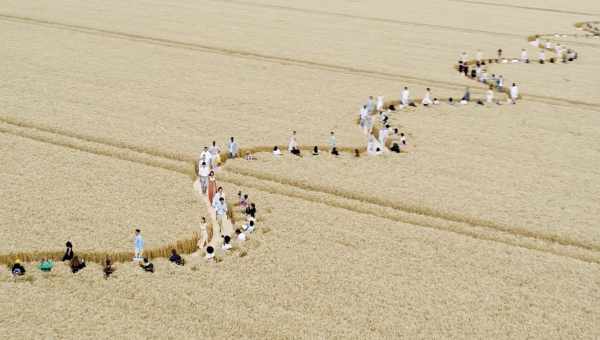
(375, 113)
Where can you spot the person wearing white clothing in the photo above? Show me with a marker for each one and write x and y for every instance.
(203, 173)
(221, 212)
(489, 95)
(427, 100)
(405, 96)
(332, 141)
(370, 104)
(276, 151)
(241, 237)
(542, 56)
(232, 148)
(379, 103)
(524, 56)
(514, 93)
(383, 134)
(293, 144)
(248, 227)
(479, 56)
(139, 245)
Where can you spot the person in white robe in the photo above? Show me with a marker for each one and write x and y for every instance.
(380, 103)
(427, 99)
(383, 134)
(276, 151)
(363, 116)
(524, 56)
(332, 140)
(293, 144)
(542, 56)
(514, 93)
(370, 104)
(405, 96)
(489, 95)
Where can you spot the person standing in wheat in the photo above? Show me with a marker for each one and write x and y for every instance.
(139, 245)
(212, 186)
(203, 236)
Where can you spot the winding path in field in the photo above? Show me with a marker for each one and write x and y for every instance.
(183, 164)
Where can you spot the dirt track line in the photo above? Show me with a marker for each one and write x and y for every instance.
(541, 9)
(99, 149)
(274, 59)
(231, 52)
(366, 208)
(364, 18)
(475, 228)
(416, 210)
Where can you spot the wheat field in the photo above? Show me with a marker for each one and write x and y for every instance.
(485, 227)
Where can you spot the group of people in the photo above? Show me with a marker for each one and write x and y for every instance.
(215, 196)
(388, 138)
(294, 147)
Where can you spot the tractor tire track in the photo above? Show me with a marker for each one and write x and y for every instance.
(554, 247)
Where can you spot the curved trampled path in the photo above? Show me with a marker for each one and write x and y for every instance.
(233, 174)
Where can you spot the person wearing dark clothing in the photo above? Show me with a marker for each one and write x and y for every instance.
(147, 266)
(68, 256)
(17, 269)
(77, 264)
(108, 268)
(251, 210)
(176, 258)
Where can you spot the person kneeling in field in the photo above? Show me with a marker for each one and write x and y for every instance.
(17, 269)
(248, 227)
(46, 265)
(76, 264)
(210, 253)
(241, 236)
(176, 258)
(226, 243)
(147, 266)
(108, 268)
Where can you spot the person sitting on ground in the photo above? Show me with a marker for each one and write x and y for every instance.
(68, 256)
(402, 138)
(335, 152)
(77, 264)
(108, 268)
(176, 258)
(427, 100)
(392, 108)
(210, 253)
(315, 151)
(436, 101)
(356, 153)
(17, 269)
(276, 151)
(295, 151)
(450, 101)
(46, 265)
(226, 243)
(241, 237)
(248, 227)
(147, 266)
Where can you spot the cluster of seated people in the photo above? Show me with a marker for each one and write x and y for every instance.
(77, 264)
